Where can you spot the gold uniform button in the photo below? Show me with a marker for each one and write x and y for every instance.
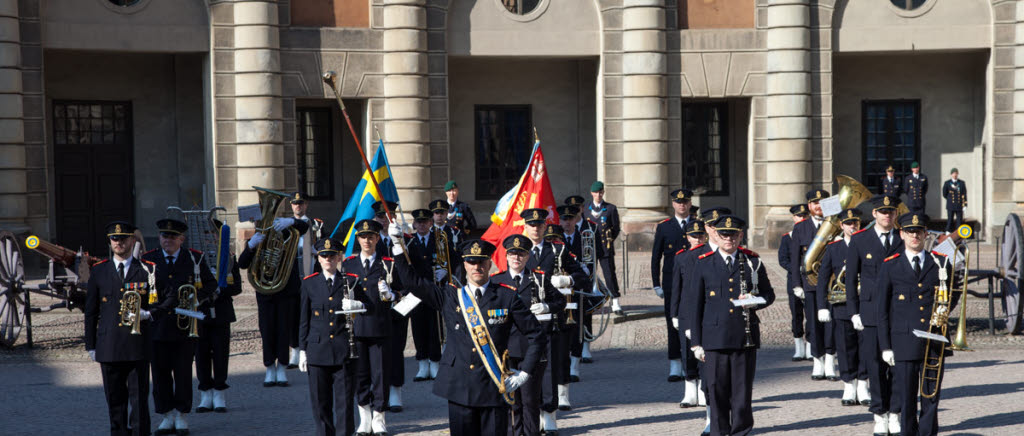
(730, 310)
(330, 298)
(922, 320)
(730, 280)
(919, 285)
(470, 366)
(332, 336)
(920, 297)
(332, 324)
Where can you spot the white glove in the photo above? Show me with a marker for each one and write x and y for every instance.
(687, 334)
(395, 230)
(698, 352)
(92, 355)
(516, 380)
(440, 274)
(347, 304)
(561, 281)
(824, 316)
(385, 291)
(799, 292)
(255, 240)
(675, 323)
(539, 308)
(889, 357)
(397, 249)
(146, 316)
(303, 364)
(659, 292)
(857, 324)
(280, 224)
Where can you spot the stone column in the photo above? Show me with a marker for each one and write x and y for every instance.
(644, 124)
(13, 180)
(406, 113)
(783, 165)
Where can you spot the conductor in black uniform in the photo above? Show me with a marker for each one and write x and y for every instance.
(669, 238)
(123, 356)
(325, 339)
(892, 185)
(726, 337)
(476, 406)
(915, 185)
(955, 193)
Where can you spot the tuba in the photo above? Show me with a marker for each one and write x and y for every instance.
(851, 194)
(273, 258)
(188, 299)
(131, 308)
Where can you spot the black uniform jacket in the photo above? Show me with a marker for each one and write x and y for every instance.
(529, 291)
(294, 279)
(893, 188)
(801, 238)
(683, 293)
(956, 199)
(577, 242)
(376, 322)
(832, 263)
(223, 304)
(103, 332)
(916, 190)
(669, 238)
(463, 218)
(717, 324)
(906, 303)
(322, 334)
(608, 227)
(863, 263)
(462, 377)
(550, 252)
(168, 279)
(785, 257)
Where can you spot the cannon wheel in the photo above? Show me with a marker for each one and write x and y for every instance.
(12, 295)
(1012, 262)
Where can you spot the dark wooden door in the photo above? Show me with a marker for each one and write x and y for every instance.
(93, 170)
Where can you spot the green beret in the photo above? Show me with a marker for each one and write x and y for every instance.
(597, 186)
(914, 164)
(954, 170)
(450, 185)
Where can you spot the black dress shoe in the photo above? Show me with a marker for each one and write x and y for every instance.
(586, 360)
(267, 384)
(619, 312)
(395, 409)
(798, 359)
(817, 377)
(865, 403)
(182, 432)
(282, 383)
(674, 378)
(849, 402)
(220, 409)
(291, 366)
(564, 408)
(419, 379)
(363, 434)
(833, 378)
(574, 379)
(201, 409)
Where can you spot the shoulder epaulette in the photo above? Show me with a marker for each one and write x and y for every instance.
(538, 271)
(705, 255)
(749, 252)
(938, 254)
(311, 275)
(859, 231)
(150, 251)
(352, 275)
(102, 261)
(499, 272)
(352, 256)
(789, 233)
(557, 242)
(680, 252)
(891, 257)
(149, 262)
(195, 251)
(573, 255)
(833, 242)
(387, 258)
(664, 220)
(508, 286)
(697, 246)
(802, 220)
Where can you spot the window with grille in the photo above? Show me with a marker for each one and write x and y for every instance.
(316, 179)
(891, 136)
(503, 146)
(520, 7)
(705, 148)
(908, 4)
(93, 123)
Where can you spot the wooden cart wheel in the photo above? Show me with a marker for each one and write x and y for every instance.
(12, 295)
(1012, 262)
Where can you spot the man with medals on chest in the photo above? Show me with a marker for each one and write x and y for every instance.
(915, 293)
(183, 280)
(606, 216)
(476, 376)
(696, 237)
(868, 248)
(329, 302)
(796, 305)
(117, 329)
(670, 238)
(373, 330)
(459, 215)
(915, 185)
(426, 323)
(731, 284)
(819, 334)
(954, 191)
(535, 401)
(574, 240)
(307, 265)
(832, 307)
(892, 185)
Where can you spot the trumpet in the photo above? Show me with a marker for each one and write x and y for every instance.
(131, 310)
(837, 288)
(188, 300)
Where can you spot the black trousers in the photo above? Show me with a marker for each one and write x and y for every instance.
(293, 322)
(529, 398)
(796, 310)
(819, 334)
(908, 378)
(125, 382)
(674, 351)
(371, 368)
(331, 389)
(847, 347)
(277, 326)
(956, 217)
(576, 348)
(172, 375)
(691, 366)
(558, 355)
(884, 394)
(610, 278)
(396, 349)
(730, 380)
(212, 350)
(477, 421)
(426, 333)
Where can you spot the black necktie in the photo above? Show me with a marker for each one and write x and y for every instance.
(728, 262)
(887, 244)
(366, 265)
(536, 251)
(120, 270)
(170, 260)
(517, 280)
(330, 283)
(479, 293)
(917, 265)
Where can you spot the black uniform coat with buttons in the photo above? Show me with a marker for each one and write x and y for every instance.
(892, 188)
(683, 298)
(528, 290)
(103, 332)
(906, 304)
(606, 218)
(546, 262)
(224, 306)
(376, 322)
(463, 218)
(801, 238)
(916, 190)
(168, 279)
(421, 255)
(669, 238)
(832, 262)
(294, 279)
(462, 377)
(322, 334)
(716, 324)
(786, 257)
(577, 243)
(955, 193)
(863, 263)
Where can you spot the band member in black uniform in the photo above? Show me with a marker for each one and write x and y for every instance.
(439, 209)
(395, 376)
(796, 305)
(955, 193)
(696, 238)
(384, 242)
(833, 264)
(535, 290)
(915, 185)
(325, 338)
(307, 265)
(276, 311)
(214, 343)
(724, 336)
(910, 283)
(669, 238)
(606, 216)
(459, 215)
(426, 326)
(373, 329)
(819, 334)
(567, 218)
(123, 356)
(892, 185)
(582, 223)
(868, 248)
(467, 379)
(173, 344)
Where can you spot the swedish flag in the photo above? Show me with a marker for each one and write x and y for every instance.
(360, 206)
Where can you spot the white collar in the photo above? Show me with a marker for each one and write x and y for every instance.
(329, 276)
(174, 255)
(878, 232)
(362, 258)
(681, 221)
(483, 289)
(127, 262)
(906, 252)
(596, 205)
(514, 274)
(726, 256)
(714, 247)
(917, 176)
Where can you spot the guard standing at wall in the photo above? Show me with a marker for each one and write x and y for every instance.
(892, 185)
(669, 238)
(955, 193)
(458, 215)
(915, 185)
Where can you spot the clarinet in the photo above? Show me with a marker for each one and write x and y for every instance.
(350, 322)
(740, 260)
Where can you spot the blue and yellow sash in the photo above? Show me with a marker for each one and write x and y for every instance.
(482, 341)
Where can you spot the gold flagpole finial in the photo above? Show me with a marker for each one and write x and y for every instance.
(535, 137)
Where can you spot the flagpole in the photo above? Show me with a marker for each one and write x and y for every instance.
(401, 214)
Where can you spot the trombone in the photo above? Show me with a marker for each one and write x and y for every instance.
(932, 369)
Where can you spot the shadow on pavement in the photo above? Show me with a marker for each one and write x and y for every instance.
(990, 421)
(983, 390)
